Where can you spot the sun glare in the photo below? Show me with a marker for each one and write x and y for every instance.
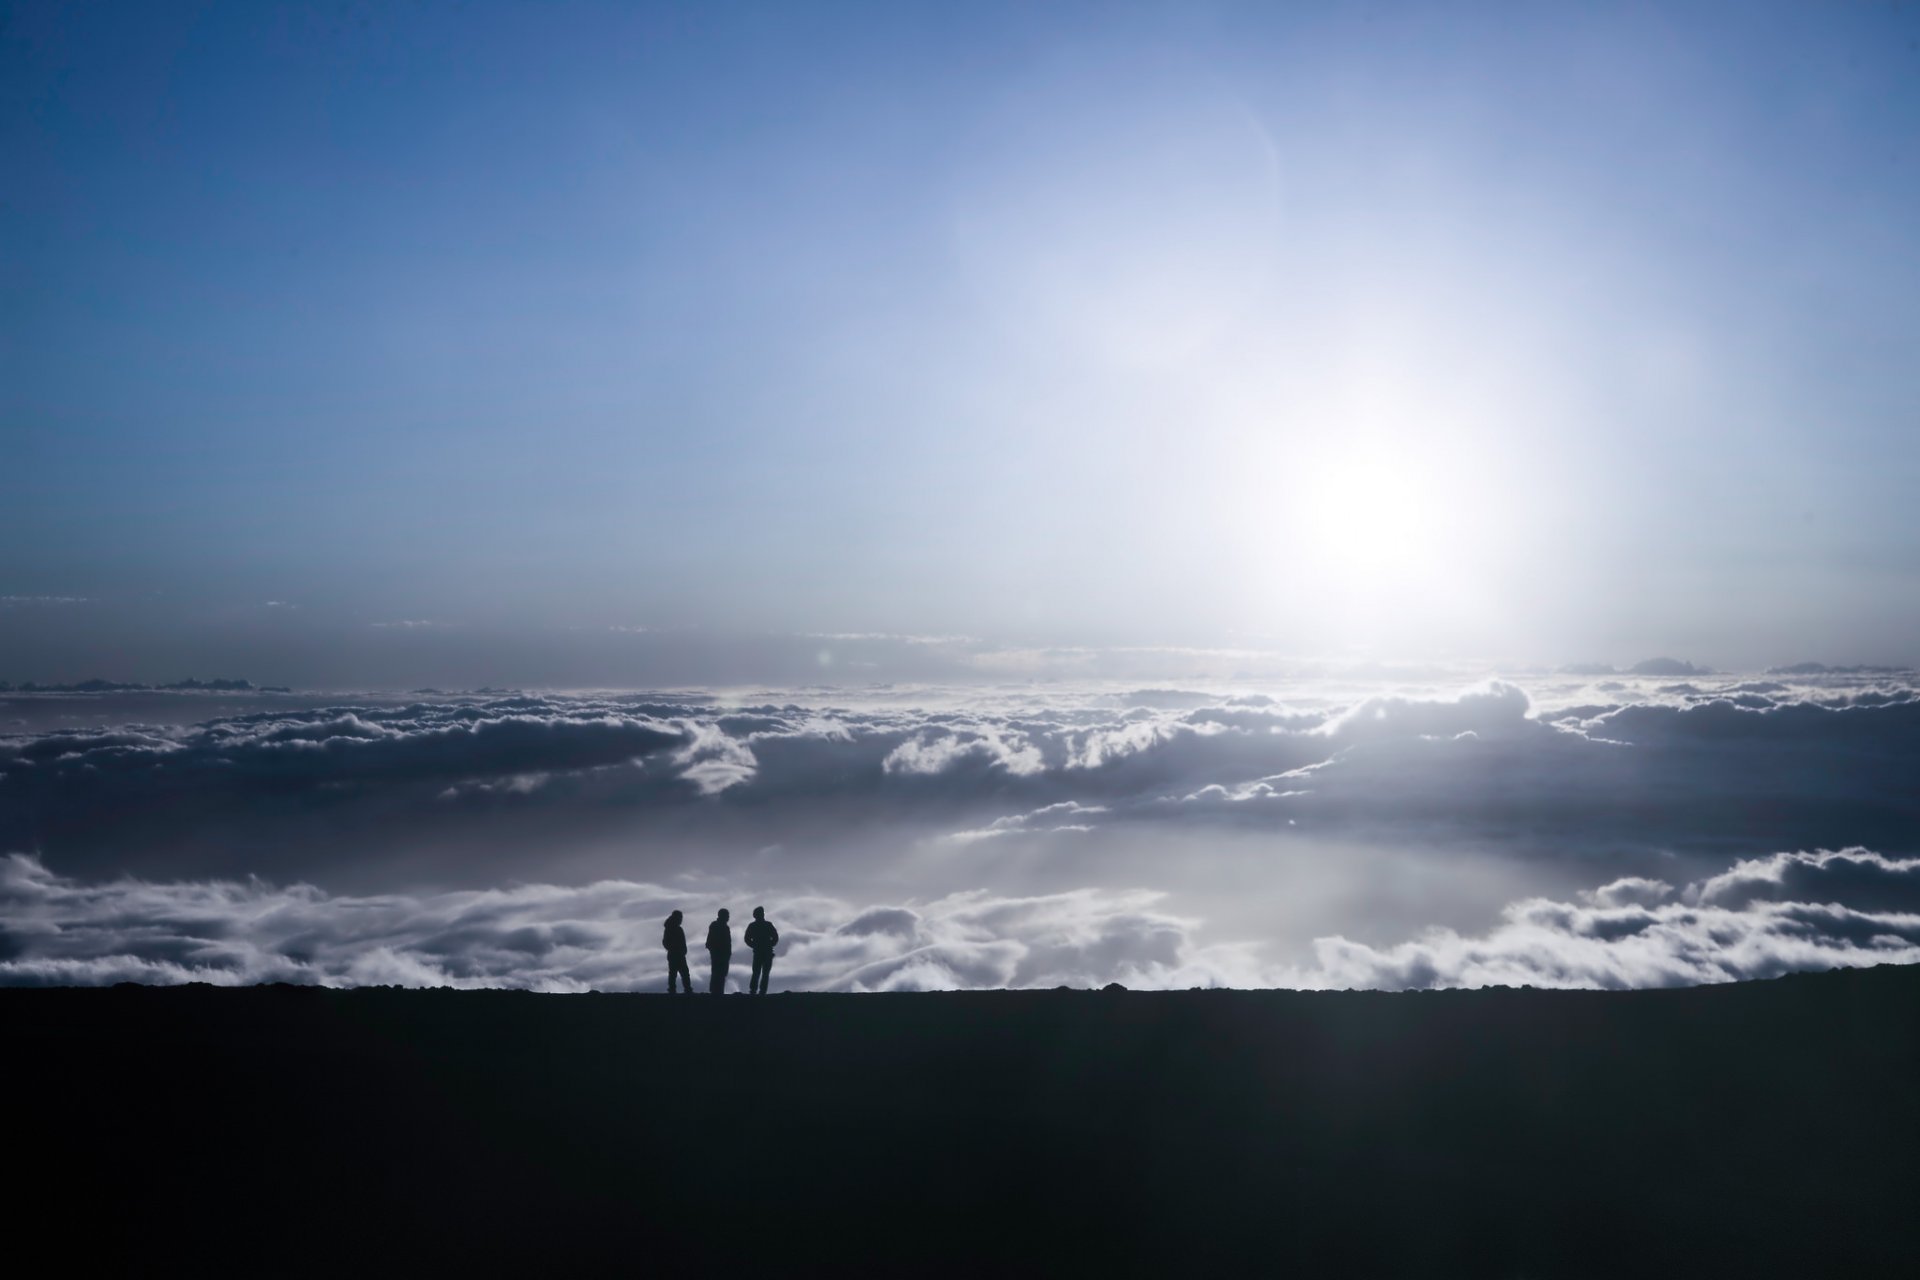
(1391, 542)
(1374, 516)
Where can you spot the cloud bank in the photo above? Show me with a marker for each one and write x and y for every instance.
(1762, 918)
(1611, 770)
(1031, 835)
(602, 936)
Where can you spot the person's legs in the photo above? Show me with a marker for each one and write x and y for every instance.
(677, 964)
(766, 972)
(762, 966)
(720, 959)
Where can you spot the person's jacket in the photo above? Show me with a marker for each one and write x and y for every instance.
(719, 937)
(674, 939)
(762, 936)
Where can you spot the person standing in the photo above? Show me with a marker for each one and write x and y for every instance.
(762, 938)
(720, 951)
(674, 939)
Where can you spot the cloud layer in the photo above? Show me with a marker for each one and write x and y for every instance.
(1033, 835)
(1563, 771)
(1762, 918)
(604, 936)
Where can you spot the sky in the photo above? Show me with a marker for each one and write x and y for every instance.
(1544, 333)
(1209, 494)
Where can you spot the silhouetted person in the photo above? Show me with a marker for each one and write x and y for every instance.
(674, 939)
(720, 951)
(762, 938)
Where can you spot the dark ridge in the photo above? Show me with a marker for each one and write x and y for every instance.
(1761, 1128)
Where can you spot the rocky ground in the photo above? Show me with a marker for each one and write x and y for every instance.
(1757, 1128)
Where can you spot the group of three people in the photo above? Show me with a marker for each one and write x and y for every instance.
(762, 938)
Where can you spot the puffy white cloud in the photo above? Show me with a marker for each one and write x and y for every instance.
(1564, 782)
(1629, 891)
(1830, 876)
(603, 936)
(1762, 918)
(713, 760)
(934, 751)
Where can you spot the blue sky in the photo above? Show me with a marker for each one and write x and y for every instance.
(1550, 332)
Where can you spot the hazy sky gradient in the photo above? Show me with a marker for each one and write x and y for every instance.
(1546, 332)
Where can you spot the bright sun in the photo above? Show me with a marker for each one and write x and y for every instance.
(1393, 540)
(1375, 517)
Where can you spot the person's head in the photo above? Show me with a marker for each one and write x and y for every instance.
(723, 913)
(759, 913)
(674, 918)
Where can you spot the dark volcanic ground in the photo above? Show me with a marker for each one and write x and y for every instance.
(1762, 1128)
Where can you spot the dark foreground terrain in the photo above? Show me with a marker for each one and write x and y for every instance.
(1764, 1128)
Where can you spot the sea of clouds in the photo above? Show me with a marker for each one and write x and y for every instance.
(1556, 831)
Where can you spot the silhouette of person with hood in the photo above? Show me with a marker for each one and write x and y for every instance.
(674, 939)
(762, 938)
(720, 951)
